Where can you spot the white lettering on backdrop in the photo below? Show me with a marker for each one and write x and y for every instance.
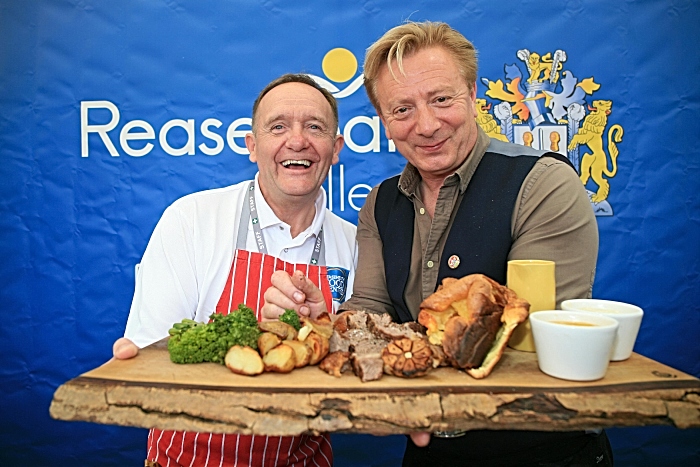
(140, 130)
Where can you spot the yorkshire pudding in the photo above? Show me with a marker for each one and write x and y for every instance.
(472, 318)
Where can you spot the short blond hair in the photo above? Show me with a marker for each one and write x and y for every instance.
(406, 39)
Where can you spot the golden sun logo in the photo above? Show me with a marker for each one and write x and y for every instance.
(340, 66)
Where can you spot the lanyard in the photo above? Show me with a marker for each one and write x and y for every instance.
(250, 212)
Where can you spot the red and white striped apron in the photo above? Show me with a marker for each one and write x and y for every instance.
(248, 279)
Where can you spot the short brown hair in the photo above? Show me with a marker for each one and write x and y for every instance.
(407, 39)
(297, 78)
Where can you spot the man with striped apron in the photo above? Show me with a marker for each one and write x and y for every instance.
(248, 279)
(279, 224)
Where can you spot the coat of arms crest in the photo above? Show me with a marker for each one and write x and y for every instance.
(548, 108)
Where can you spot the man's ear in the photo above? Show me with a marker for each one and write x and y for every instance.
(337, 146)
(250, 144)
(472, 98)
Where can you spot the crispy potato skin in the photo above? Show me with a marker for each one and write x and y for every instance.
(244, 360)
(280, 359)
(268, 341)
(321, 325)
(281, 329)
(281, 349)
(319, 347)
(302, 352)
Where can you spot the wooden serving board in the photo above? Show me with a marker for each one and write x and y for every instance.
(151, 391)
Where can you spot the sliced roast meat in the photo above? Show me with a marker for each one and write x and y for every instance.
(367, 367)
(364, 335)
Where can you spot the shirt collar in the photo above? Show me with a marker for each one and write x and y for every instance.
(410, 178)
(268, 218)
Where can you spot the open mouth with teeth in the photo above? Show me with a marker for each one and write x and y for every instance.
(301, 163)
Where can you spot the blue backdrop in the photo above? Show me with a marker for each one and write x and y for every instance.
(109, 111)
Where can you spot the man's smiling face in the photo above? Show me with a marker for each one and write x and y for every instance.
(428, 111)
(294, 143)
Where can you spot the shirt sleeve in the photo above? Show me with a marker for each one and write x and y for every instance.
(166, 285)
(369, 288)
(555, 221)
(352, 273)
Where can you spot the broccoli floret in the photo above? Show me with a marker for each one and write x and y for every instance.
(192, 342)
(292, 318)
(243, 316)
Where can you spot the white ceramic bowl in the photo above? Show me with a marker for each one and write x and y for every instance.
(573, 345)
(629, 316)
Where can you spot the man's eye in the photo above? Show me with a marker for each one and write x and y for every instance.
(277, 127)
(401, 112)
(441, 100)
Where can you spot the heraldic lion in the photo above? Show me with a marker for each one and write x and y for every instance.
(542, 66)
(486, 120)
(595, 164)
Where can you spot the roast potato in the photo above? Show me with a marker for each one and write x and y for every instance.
(281, 329)
(279, 359)
(302, 352)
(319, 347)
(244, 360)
(321, 325)
(268, 341)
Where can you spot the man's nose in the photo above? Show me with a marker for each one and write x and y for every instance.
(426, 121)
(297, 140)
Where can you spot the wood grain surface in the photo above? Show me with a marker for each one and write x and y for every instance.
(151, 391)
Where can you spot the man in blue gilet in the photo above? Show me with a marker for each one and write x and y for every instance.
(465, 204)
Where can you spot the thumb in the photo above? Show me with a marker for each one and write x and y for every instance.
(124, 349)
(421, 439)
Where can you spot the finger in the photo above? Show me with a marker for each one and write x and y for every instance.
(276, 302)
(124, 349)
(270, 312)
(315, 303)
(284, 283)
(280, 299)
(303, 283)
(421, 439)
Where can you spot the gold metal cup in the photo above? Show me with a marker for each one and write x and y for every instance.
(533, 280)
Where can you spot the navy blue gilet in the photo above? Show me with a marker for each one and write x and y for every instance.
(480, 234)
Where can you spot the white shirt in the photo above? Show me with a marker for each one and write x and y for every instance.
(188, 258)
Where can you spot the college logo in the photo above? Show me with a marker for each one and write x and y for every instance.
(340, 66)
(338, 281)
(550, 109)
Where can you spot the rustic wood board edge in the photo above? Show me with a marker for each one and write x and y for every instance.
(454, 389)
(675, 403)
